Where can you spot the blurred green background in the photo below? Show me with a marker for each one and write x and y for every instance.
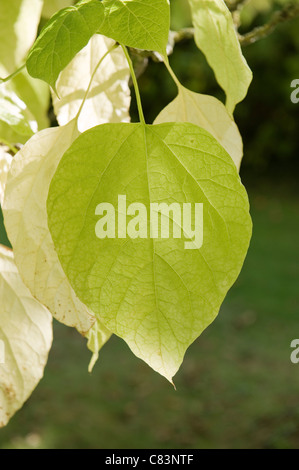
(237, 387)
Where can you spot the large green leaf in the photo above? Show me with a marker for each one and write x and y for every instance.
(26, 337)
(139, 24)
(216, 37)
(152, 292)
(67, 32)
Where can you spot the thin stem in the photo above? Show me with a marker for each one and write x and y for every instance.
(11, 147)
(135, 83)
(92, 77)
(173, 75)
(14, 74)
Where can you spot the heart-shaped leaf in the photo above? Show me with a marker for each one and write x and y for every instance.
(154, 291)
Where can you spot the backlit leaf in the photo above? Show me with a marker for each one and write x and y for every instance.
(108, 98)
(139, 24)
(216, 37)
(25, 219)
(19, 20)
(25, 339)
(210, 114)
(67, 32)
(153, 292)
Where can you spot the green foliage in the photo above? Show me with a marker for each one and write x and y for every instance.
(156, 293)
(216, 36)
(67, 32)
(142, 25)
(171, 163)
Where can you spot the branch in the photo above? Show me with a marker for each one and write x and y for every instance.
(289, 12)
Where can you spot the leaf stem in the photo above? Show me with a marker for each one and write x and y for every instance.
(11, 147)
(14, 74)
(173, 75)
(92, 77)
(135, 83)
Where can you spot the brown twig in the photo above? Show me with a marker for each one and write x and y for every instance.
(287, 13)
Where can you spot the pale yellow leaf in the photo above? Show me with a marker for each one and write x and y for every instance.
(25, 339)
(19, 20)
(216, 37)
(25, 218)
(209, 113)
(108, 98)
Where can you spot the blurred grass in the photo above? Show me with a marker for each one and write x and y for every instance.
(236, 389)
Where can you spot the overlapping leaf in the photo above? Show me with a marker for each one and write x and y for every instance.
(216, 37)
(210, 114)
(25, 219)
(26, 338)
(139, 24)
(153, 293)
(67, 32)
(108, 97)
(143, 25)
(19, 20)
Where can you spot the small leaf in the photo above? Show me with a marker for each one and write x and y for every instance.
(210, 114)
(26, 338)
(108, 98)
(25, 218)
(97, 337)
(67, 32)
(152, 292)
(5, 162)
(216, 37)
(140, 24)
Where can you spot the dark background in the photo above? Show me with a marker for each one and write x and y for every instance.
(237, 387)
